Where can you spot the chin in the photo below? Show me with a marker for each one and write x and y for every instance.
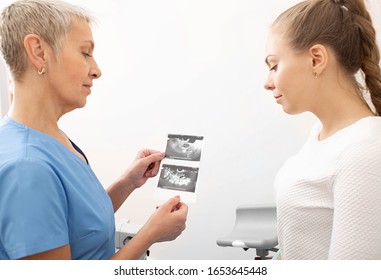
(293, 112)
(81, 103)
(73, 107)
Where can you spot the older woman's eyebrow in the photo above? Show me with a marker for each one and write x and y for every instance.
(91, 42)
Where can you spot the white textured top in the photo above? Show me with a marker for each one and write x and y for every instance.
(329, 196)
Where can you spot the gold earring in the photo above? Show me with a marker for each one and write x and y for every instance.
(41, 71)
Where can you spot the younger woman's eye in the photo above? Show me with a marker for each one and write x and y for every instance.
(86, 54)
(274, 68)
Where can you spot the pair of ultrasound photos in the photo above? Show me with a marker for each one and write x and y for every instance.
(180, 169)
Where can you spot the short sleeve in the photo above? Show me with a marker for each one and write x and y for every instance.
(356, 232)
(33, 209)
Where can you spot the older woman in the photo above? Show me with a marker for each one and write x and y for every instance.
(52, 206)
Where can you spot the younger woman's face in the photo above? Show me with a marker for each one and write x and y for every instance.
(290, 75)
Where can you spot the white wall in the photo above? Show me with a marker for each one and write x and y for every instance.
(192, 67)
(5, 99)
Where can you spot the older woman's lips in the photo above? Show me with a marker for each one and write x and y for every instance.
(88, 87)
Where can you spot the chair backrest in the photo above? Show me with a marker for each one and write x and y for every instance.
(247, 214)
(255, 227)
(258, 221)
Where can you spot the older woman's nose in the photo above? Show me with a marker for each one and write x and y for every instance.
(95, 72)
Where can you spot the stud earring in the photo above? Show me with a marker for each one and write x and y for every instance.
(41, 71)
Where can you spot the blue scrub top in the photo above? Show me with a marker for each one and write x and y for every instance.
(49, 197)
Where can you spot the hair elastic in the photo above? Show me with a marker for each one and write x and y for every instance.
(341, 3)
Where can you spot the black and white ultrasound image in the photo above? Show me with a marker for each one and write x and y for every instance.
(180, 178)
(184, 147)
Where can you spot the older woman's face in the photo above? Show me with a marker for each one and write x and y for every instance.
(72, 72)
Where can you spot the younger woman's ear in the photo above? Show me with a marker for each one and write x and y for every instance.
(35, 48)
(319, 58)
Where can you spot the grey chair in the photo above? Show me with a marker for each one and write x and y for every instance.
(255, 228)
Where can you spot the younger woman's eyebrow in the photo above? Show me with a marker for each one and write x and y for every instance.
(268, 58)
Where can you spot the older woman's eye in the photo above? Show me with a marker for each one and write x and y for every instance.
(86, 54)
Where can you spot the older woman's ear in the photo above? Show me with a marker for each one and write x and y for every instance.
(36, 50)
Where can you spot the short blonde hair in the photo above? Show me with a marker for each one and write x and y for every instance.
(50, 19)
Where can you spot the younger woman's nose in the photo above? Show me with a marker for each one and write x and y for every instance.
(269, 84)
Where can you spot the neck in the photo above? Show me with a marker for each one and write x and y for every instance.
(337, 101)
(33, 107)
(342, 113)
